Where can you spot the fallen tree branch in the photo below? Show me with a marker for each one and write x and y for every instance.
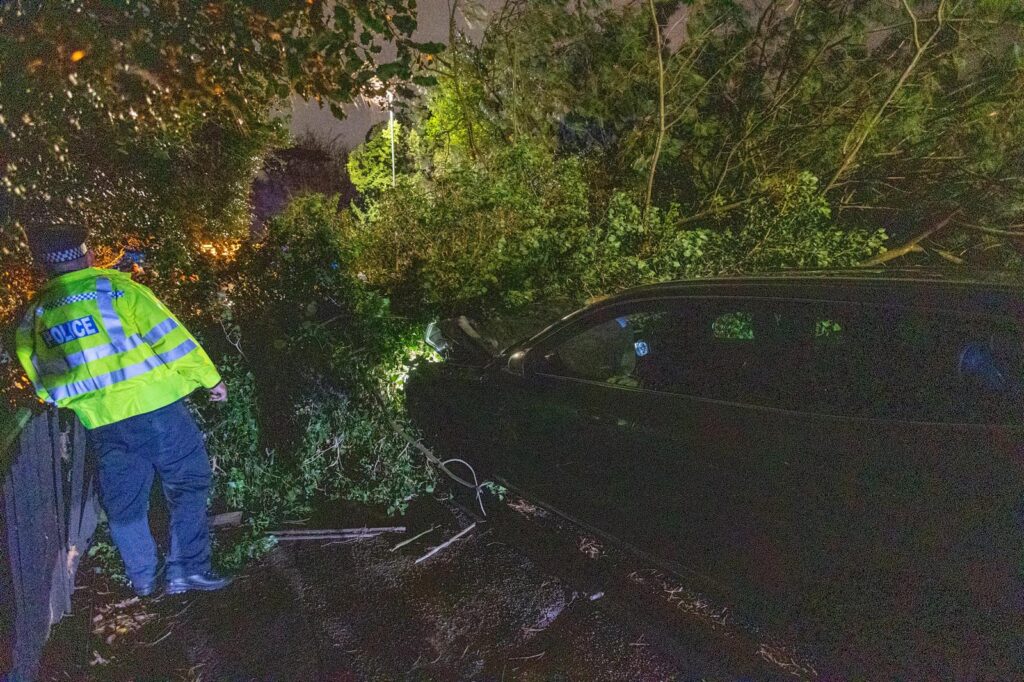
(446, 544)
(911, 246)
(434, 459)
(717, 209)
(662, 129)
(956, 260)
(920, 48)
(992, 230)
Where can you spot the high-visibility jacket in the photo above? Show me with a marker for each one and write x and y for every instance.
(104, 346)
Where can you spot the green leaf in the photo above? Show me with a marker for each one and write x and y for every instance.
(404, 23)
(430, 47)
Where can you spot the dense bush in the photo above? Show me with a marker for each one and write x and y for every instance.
(324, 363)
(474, 238)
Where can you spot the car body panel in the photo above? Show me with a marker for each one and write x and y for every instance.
(847, 525)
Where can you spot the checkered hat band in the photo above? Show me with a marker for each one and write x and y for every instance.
(65, 255)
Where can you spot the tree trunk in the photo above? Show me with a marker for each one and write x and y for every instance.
(661, 110)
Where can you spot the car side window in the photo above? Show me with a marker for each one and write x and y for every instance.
(818, 357)
(921, 365)
(603, 352)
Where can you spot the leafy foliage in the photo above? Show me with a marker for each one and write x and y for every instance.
(148, 120)
(906, 112)
(328, 361)
(474, 238)
(526, 229)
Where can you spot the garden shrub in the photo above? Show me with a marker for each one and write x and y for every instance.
(327, 358)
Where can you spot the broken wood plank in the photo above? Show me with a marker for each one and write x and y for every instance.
(339, 531)
(300, 538)
(334, 534)
(446, 544)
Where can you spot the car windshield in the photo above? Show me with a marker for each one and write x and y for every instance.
(507, 331)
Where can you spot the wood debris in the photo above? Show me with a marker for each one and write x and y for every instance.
(525, 508)
(403, 543)
(446, 544)
(122, 618)
(591, 547)
(333, 533)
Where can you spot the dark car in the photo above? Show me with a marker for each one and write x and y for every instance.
(840, 454)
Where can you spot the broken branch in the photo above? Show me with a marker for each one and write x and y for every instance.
(910, 246)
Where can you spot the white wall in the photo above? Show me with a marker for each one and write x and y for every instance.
(433, 16)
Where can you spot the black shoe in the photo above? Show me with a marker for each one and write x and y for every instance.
(205, 582)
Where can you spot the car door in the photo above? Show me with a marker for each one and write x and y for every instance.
(569, 417)
(904, 433)
(701, 499)
(604, 441)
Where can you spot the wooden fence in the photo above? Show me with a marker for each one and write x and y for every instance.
(49, 514)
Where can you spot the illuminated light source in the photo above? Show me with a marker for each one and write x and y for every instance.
(222, 250)
(78, 55)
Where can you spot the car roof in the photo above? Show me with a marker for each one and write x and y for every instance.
(961, 290)
(979, 292)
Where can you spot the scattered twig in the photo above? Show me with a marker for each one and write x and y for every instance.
(165, 636)
(403, 543)
(179, 614)
(528, 658)
(446, 544)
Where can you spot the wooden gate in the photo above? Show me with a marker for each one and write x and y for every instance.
(49, 515)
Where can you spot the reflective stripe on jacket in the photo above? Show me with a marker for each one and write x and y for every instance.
(98, 343)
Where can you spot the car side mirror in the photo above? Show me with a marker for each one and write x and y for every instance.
(435, 338)
(517, 363)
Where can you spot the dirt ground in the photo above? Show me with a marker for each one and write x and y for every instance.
(525, 595)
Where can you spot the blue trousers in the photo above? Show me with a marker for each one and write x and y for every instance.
(165, 443)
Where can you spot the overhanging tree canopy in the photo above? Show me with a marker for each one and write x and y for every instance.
(152, 114)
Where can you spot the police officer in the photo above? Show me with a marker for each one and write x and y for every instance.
(98, 343)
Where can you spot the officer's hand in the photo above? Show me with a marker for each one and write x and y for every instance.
(219, 393)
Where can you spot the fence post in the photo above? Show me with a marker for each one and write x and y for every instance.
(49, 515)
